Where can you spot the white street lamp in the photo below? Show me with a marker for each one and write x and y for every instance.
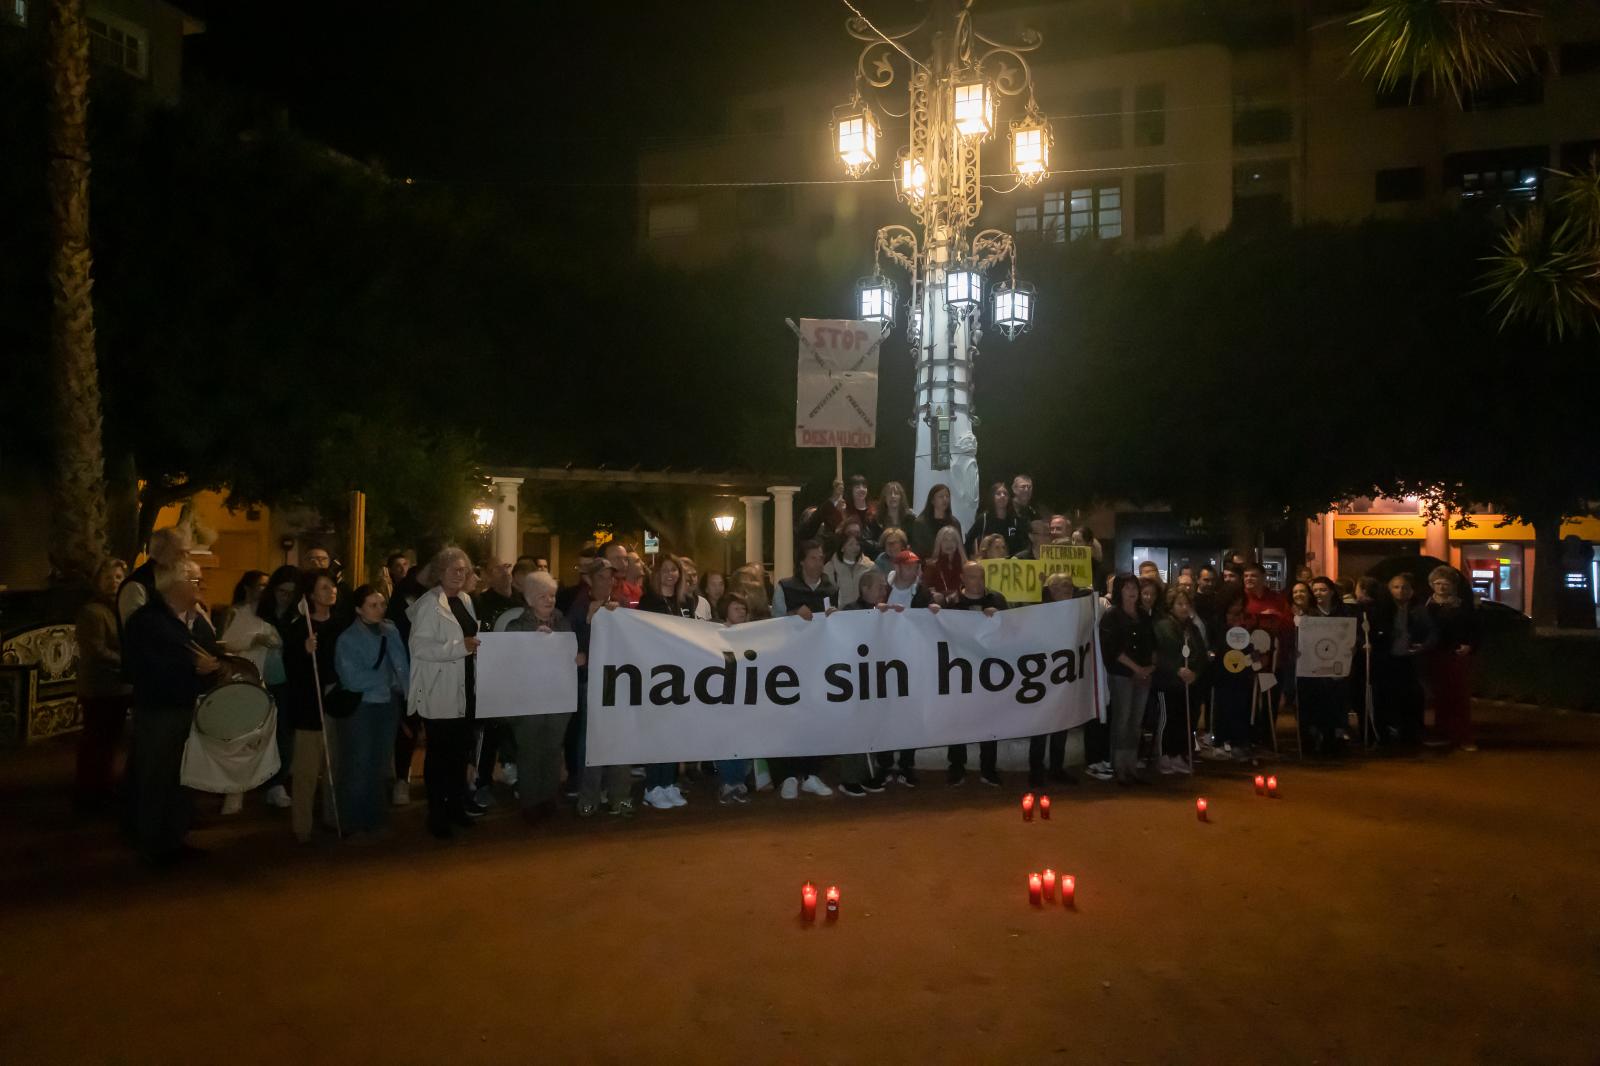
(856, 137)
(483, 516)
(1013, 309)
(951, 108)
(724, 525)
(875, 300)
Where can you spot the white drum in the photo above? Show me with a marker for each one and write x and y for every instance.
(232, 710)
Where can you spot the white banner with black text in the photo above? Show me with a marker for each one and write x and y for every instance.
(664, 689)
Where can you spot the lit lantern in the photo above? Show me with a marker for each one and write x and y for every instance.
(856, 138)
(963, 290)
(974, 108)
(875, 299)
(1030, 148)
(1013, 309)
(723, 524)
(483, 516)
(912, 179)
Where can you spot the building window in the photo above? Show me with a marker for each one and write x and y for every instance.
(1097, 120)
(764, 205)
(1096, 211)
(1579, 57)
(119, 44)
(1499, 176)
(1149, 116)
(1150, 205)
(1053, 226)
(1262, 198)
(1398, 185)
(672, 218)
(1028, 219)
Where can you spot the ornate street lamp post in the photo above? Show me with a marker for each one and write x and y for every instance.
(952, 104)
(724, 526)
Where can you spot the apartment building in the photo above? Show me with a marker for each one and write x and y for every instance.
(137, 39)
(1168, 120)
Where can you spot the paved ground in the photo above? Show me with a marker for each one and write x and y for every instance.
(1438, 910)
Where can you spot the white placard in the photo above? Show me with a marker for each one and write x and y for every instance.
(836, 396)
(663, 689)
(1326, 646)
(526, 673)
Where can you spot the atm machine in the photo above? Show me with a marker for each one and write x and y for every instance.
(1275, 561)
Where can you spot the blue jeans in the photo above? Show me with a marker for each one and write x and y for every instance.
(365, 753)
(732, 771)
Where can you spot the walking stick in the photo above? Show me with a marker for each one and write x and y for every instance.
(322, 716)
(1188, 717)
(1369, 728)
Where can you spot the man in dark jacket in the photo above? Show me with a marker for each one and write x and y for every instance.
(975, 596)
(808, 592)
(169, 670)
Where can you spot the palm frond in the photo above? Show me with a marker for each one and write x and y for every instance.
(1545, 274)
(1577, 199)
(1455, 46)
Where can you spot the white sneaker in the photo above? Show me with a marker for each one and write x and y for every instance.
(1165, 765)
(790, 789)
(675, 796)
(508, 773)
(732, 794)
(233, 803)
(812, 784)
(657, 798)
(1182, 766)
(278, 796)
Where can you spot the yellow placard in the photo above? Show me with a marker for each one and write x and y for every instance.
(1076, 560)
(1380, 527)
(1018, 580)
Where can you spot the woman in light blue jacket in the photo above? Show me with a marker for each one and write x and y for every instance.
(371, 660)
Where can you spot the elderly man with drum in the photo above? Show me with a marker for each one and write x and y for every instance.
(169, 670)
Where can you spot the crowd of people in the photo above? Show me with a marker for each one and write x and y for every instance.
(360, 678)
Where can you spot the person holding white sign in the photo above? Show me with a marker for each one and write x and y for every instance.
(539, 736)
(1325, 701)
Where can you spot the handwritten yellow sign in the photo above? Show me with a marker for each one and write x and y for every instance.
(1076, 560)
(1018, 580)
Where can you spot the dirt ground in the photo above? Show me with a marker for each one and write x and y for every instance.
(1423, 910)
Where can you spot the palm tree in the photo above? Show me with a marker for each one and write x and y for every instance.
(79, 513)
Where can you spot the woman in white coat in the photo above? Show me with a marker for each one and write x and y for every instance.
(443, 644)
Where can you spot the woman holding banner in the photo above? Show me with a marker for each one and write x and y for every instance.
(665, 596)
(941, 574)
(539, 736)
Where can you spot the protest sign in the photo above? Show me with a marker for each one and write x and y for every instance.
(836, 396)
(526, 673)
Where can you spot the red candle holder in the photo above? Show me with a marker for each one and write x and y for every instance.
(1035, 889)
(1027, 807)
(1044, 808)
(1261, 785)
(1272, 787)
(1049, 886)
(1069, 891)
(808, 902)
(1200, 808)
(833, 902)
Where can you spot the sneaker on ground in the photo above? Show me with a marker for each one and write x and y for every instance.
(790, 789)
(233, 803)
(475, 809)
(508, 773)
(955, 775)
(875, 784)
(813, 784)
(853, 790)
(1100, 772)
(675, 796)
(908, 777)
(1165, 765)
(657, 798)
(622, 807)
(990, 778)
(744, 792)
(278, 796)
(1182, 766)
(586, 809)
(483, 797)
(732, 794)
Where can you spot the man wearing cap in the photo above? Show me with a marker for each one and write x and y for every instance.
(905, 586)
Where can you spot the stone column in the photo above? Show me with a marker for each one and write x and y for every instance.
(753, 532)
(507, 536)
(782, 530)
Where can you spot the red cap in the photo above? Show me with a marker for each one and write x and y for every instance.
(907, 556)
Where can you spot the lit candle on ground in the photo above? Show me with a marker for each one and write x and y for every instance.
(833, 902)
(808, 901)
(1035, 889)
(1027, 807)
(1261, 785)
(1200, 806)
(1069, 891)
(1272, 787)
(1049, 886)
(1044, 807)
